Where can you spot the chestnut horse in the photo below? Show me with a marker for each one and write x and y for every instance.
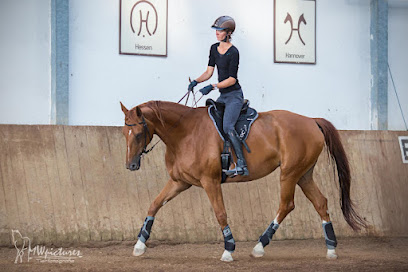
(277, 139)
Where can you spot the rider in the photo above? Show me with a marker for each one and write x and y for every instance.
(226, 57)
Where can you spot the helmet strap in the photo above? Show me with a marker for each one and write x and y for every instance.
(227, 37)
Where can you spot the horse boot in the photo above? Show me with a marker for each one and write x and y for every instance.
(241, 166)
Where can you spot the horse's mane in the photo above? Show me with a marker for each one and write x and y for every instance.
(158, 106)
(155, 106)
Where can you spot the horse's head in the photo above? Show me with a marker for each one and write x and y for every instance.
(288, 18)
(137, 134)
(16, 235)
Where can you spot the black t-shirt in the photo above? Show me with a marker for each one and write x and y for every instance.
(227, 65)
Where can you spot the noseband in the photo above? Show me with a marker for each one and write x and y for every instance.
(146, 133)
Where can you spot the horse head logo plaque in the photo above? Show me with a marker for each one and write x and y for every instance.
(301, 20)
(295, 16)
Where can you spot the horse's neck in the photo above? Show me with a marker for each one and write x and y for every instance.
(168, 120)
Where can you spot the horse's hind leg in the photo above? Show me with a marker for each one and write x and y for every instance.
(313, 193)
(287, 204)
(170, 190)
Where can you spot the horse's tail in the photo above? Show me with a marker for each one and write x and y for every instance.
(338, 155)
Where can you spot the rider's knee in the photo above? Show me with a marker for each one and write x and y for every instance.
(228, 128)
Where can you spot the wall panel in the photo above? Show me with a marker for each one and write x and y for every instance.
(69, 185)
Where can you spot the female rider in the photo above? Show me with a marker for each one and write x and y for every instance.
(225, 56)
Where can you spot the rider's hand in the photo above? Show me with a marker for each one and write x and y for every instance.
(207, 89)
(192, 85)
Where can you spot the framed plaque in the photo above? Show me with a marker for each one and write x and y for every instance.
(143, 27)
(295, 31)
(403, 140)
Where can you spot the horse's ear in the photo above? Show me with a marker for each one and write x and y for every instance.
(139, 112)
(124, 109)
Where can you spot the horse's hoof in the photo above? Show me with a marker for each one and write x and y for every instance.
(331, 254)
(258, 251)
(226, 256)
(139, 249)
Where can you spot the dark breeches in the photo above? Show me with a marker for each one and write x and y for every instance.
(233, 103)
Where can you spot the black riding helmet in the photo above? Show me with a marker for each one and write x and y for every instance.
(225, 23)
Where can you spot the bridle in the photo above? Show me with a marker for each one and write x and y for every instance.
(146, 133)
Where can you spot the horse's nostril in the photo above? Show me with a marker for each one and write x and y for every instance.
(133, 166)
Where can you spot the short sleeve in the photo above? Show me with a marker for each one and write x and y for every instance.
(211, 60)
(234, 63)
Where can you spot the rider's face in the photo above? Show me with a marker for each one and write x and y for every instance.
(220, 34)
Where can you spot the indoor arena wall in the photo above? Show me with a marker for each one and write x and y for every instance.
(69, 185)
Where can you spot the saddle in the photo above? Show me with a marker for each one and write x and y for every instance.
(247, 116)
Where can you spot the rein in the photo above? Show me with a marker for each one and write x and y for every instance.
(146, 131)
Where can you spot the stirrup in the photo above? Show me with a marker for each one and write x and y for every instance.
(235, 172)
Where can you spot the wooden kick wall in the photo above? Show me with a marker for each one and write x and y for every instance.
(68, 185)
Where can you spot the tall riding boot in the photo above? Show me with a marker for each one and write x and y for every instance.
(241, 166)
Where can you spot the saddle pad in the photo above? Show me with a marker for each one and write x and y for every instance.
(242, 126)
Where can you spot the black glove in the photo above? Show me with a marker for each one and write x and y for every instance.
(192, 85)
(207, 89)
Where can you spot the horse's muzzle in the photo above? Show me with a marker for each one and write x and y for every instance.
(134, 164)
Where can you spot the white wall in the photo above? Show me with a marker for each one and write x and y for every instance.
(336, 88)
(25, 71)
(398, 61)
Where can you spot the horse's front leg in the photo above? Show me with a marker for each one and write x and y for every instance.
(171, 190)
(213, 189)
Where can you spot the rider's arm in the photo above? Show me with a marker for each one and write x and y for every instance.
(211, 65)
(206, 75)
(225, 83)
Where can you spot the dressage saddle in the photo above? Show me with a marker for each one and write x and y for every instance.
(247, 116)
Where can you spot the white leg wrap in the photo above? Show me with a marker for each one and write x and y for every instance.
(331, 254)
(139, 248)
(258, 250)
(226, 256)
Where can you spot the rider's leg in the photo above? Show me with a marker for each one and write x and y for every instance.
(241, 167)
(233, 104)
